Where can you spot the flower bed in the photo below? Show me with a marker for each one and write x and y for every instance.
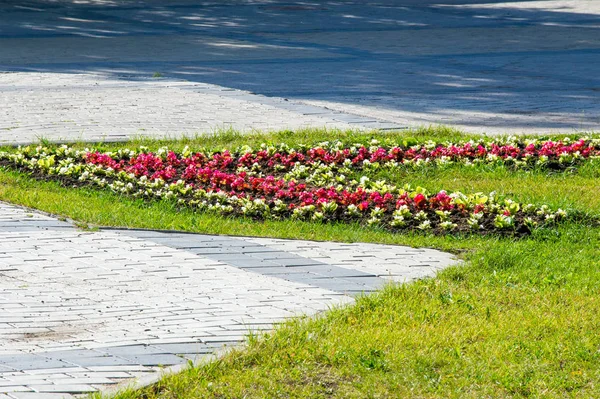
(277, 182)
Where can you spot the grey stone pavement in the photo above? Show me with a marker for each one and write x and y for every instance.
(83, 311)
(82, 70)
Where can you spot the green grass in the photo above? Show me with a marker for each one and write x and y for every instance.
(518, 319)
(229, 138)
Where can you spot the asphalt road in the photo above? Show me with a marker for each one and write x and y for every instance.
(84, 69)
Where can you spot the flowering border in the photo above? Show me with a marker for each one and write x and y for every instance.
(278, 182)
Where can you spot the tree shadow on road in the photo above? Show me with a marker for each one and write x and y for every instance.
(396, 59)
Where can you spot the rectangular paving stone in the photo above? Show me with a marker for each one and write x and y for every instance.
(71, 369)
(71, 354)
(211, 251)
(280, 270)
(26, 379)
(131, 350)
(275, 255)
(66, 388)
(339, 286)
(227, 339)
(227, 257)
(15, 388)
(112, 375)
(249, 262)
(140, 233)
(89, 380)
(156, 360)
(297, 262)
(87, 362)
(122, 368)
(28, 362)
(256, 249)
(183, 348)
(366, 280)
(337, 272)
(301, 277)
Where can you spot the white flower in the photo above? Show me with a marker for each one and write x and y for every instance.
(398, 221)
(448, 225)
(425, 225)
(403, 211)
(317, 216)
(504, 222)
(421, 215)
(561, 213)
(352, 210)
(329, 207)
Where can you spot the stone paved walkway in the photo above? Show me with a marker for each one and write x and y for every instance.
(83, 69)
(83, 311)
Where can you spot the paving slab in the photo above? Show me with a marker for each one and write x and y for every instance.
(71, 324)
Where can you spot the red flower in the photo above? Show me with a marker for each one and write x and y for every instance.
(420, 201)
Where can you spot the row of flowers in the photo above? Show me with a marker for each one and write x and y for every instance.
(234, 185)
(268, 158)
(333, 163)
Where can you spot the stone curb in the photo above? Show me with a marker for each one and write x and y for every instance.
(146, 381)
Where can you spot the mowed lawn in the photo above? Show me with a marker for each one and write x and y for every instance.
(518, 319)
